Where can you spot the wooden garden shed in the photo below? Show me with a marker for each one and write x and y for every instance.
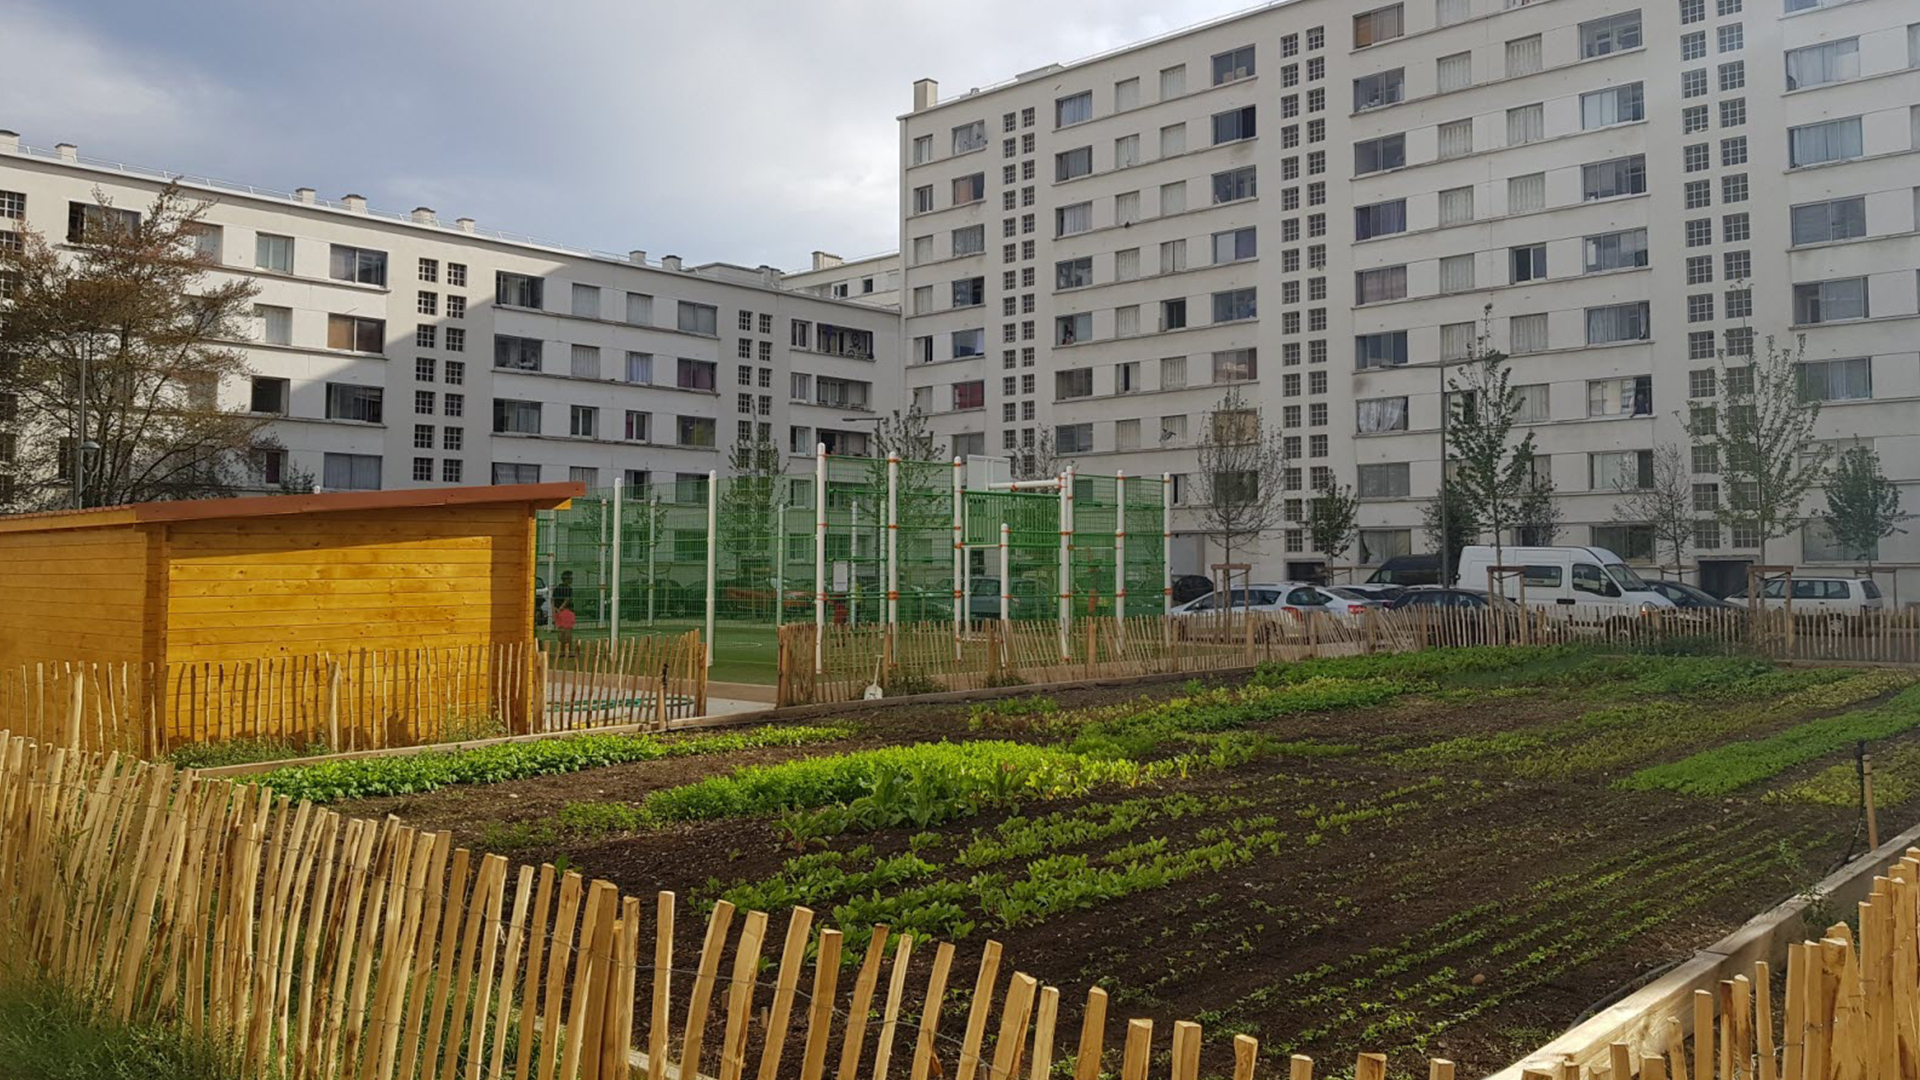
(216, 583)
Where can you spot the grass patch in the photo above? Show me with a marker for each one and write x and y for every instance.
(242, 752)
(47, 1033)
(360, 778)
(1896, 779)
(1732, 767)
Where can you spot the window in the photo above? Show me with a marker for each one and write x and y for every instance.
(1731, 38)
(1234, 245)
(350, 472)
(1831, 140)
(969, 292)
(1829, 301)
(1836, 380)
(1233, 305)
(1456, 206)
(1173, 314)
(361, 265)
(696, 374)
(1617, 470)
(1073, 438)
(507, 472)
(1733, 75)
(1385, 481)
(1456, 273)
(1380, 88)
(1380, 219)
(1073, 329)
(1173, 256)
(968, 342)
(1533, 400)
(346, 401)
(1233, 64)
(1449, 12)
(1381, 414)
(970, 395)
(1374, 27)
(517, 290)
(1069, 164)
(1375, 155)
(1611, 34)
(583, 421)
(273, 252)
(1827, 62)
(1614, 105)
(698, 318)
(1233, 125)
(1380, 350)
(1235, 365)
(1523, 56)
(1453, 72)
(1626, 541)
(1456, 340)
(1621, 176)
(275, 324)
(1616, 250)
(1525, 124)
(1617, 322)
(1072, 109)
(1456, 139)
(1234, 184)
(1836, 219)
(1528, 263)
(1693, 46)
(1527, 334)
(354, 334)
(1631, 396)
(1733, 113)
(966, 137)
(269, 396)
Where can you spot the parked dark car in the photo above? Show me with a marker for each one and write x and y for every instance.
(1188, 587)
(1408, 570)
(1435, 597)
(1688, 596)
(1471, 602)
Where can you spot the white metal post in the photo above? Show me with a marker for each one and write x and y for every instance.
(613, 618)
(653, 518)
(893, 539)
(853, 577)
(1166, 555)
(1120, 552)
(553, 554)
(1006, 589)
(959, 560)
(1066, 559)
(779, 564)
(713, 529)
(819, 556)
(601, 611)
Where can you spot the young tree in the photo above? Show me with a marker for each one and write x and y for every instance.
(1462, 523)
(1332, 518)
(1758, 430)
(1242, 470)
(1664, 504)
(1041, 462)
(1490, 473)
(1863, 506)
(114, 350)
(751, 494)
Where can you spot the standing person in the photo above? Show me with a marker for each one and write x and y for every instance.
(563, 616)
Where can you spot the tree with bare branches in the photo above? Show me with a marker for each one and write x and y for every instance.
(114, 351)
(1491, 473)
(1662, 500)
(1243, 465)
(1756, 429)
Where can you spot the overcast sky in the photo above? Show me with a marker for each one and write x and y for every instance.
(752, 131)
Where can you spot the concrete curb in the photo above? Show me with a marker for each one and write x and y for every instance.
(1639, 1019)
(738, 719)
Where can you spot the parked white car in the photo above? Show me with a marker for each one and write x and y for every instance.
(1344, 603)
(1561, 581)
(1256, 597)
(1843, 599)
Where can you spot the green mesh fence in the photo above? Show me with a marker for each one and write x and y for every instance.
(652, 551)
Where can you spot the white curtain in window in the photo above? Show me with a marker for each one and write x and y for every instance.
(1616, 322)
(1173, 82)
(1126, 95)
(1525, 124)
(1386, 283)
(1456, 139)
(1076, 218)
(1448, 12)
(276, 324)
(1173, 256)
(1126, 321)
(1526, 194)
(586, 362)
(640, 306)
(1126, 264)
(1456, 340)
(1126, 208)
(1456, 206)
(1834, 140)
(1173, 140)
(1527, 333)
(1173, 372)
(922, 250)
(1126, 151)
(1611, 106)
(1824, 63)
(1383, 414)
(1173, 198)
(1456, 273)
(1455, 72)
(1533, 403)
(1523, 56)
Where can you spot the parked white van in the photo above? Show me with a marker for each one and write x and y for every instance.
(1587, 581)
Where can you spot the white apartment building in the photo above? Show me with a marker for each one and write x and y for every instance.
(404, 351)
(1318, 205)
(870, 279)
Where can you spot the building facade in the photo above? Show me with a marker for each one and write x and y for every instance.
(403, 351)
(871, 279)
(1323, 209)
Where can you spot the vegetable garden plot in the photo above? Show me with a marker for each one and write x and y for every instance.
(1451, 853)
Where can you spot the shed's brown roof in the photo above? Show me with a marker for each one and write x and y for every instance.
(541, 496)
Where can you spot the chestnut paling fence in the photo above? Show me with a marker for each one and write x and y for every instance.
(921, 657)
(364, 699)
(313, 945)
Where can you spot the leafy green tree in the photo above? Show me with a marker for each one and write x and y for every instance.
(1492, 473)
(1863, 506)
(1462, 523)
(1332, 521)
(1541, 518)
(1664, 505)
(1756, 429)
(751, 495)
